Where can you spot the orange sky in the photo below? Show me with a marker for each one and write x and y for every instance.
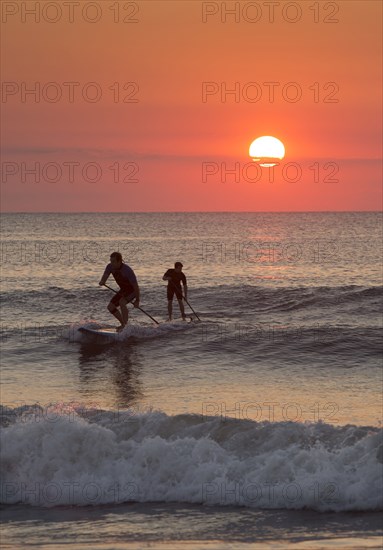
(162, 143)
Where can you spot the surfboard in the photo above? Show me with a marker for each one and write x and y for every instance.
(95, 333)
(102, 333)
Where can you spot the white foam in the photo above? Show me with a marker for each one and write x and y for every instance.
(98, 457)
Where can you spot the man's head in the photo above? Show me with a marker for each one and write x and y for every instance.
(116, 259)
(178, 266)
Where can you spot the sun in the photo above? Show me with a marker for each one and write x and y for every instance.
(267, 151)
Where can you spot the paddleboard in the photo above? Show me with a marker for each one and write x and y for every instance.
(102, 333)
(105, 335)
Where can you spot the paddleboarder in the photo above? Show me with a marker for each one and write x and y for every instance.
(175, 277)
(129, 289)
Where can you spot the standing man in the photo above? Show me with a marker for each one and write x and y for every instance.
(174, 278)
(126, 280)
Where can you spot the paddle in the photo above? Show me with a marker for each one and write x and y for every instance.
(186, 301)
(140, 308)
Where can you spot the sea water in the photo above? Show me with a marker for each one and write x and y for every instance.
(255, 425)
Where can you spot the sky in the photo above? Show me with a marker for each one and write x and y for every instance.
(152, 106)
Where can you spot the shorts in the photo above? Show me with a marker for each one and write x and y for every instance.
(129, 296)
(173, 290)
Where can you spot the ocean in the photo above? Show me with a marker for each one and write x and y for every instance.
(258, 426)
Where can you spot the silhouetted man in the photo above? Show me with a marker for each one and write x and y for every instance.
(175, 277)
(126, 280)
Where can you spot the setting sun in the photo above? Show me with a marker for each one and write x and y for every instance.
(267, 151)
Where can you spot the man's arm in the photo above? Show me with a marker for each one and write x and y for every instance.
(131, 276)
(105, 276)
(184, 282)
(136, 302)
(167, 276)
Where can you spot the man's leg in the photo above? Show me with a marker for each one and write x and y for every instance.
(114, 311)
(124, 311)
(182, 309)
(170, 309)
